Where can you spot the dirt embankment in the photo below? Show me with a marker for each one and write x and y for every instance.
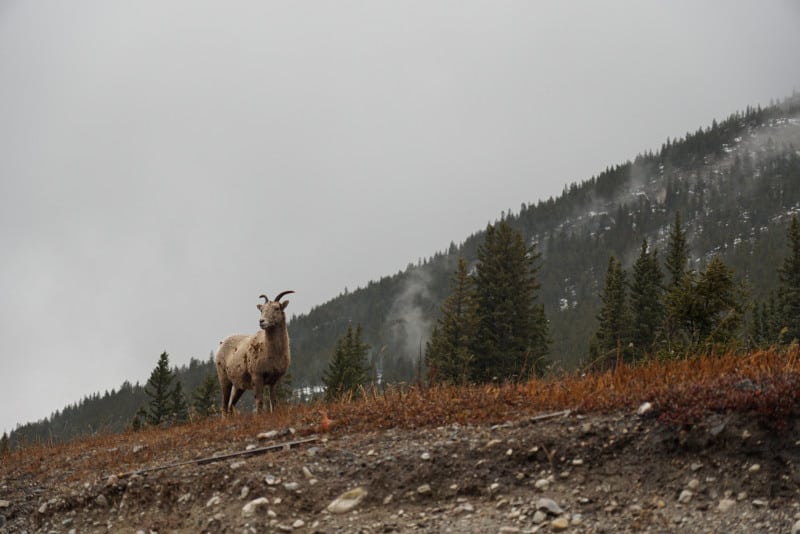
(575, 473)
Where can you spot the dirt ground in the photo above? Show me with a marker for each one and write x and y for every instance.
(573, 473)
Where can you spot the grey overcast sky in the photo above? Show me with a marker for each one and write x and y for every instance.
(162, 163)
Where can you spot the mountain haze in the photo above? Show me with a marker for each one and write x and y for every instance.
(735, 184)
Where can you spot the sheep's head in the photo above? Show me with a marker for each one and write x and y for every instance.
(272, 314)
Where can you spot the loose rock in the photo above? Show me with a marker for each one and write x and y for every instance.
(347, 501)
(254, 506)
(549, 505)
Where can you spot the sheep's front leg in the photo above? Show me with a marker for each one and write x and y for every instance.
(273, 396)
(258, 392)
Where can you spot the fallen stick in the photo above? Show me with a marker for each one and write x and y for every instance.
(211, 459)
(549, 416)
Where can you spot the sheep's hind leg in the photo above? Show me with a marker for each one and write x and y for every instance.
(237, 394)
(226, 398)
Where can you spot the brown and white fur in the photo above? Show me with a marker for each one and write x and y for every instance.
(252, 362)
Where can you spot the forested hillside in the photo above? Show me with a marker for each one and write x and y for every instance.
(735, 184)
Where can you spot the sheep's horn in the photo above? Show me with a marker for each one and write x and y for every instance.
(266, 298)
(281, 294)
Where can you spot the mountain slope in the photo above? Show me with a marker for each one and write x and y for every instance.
(735, 184)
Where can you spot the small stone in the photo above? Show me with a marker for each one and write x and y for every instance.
(541, 484)
(508, 530)
(539, 517)
(254, 506)
(725, 505)
(577, 461)
(549, 505)
(213, 501)
(299, 523)
(112, 480)
(693, 484)
(425, 456)
(268, 435)
(424, 489)
(238, 465)
(465, 508)
(285, 528)
(347, 501)
(4, 503)
(244, 492)
(250, 447)
(272, 480)
(644, 408)
(685, 497)
(138, 448)
(560, 523)
(742, 495)
(492, 443)
(101, 501)
(186, 497)
(760, 503)
(291, 486)
(509, 452)
(43, 508)
(696, 466)
(388, 499)
(796, 527)
(755, 468)
(746, 434)
(307, 473)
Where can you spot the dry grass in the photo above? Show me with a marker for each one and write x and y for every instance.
(766, 383)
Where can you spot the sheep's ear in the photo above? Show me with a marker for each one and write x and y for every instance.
(259, 306)
(284, 304)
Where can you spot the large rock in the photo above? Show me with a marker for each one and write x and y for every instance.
(347, 501)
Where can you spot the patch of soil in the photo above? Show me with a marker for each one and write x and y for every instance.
(599, 473)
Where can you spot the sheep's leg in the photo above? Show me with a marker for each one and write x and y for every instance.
(273, 396)
(237, 394)
(226, 397)
(258, 391)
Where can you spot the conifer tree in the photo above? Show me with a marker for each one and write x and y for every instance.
(205, 396)
(613, 332)
(158, 388)
(789, 275)
(448, 354)
(647, 309)
(178, 407)
(677, 252)
(512, 335)
(4, 444)
(349, 367)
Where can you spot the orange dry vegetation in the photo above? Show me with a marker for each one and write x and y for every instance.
(766, 383)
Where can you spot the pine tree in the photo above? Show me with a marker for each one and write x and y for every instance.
(349, 367)
(448, 354)
(512, 335)
(677, 252)
(4, 444)
(612, 335)
(205, 397)
(647, 309)
(789, 275)
(178, 407)
(158, 389)
(719, 304)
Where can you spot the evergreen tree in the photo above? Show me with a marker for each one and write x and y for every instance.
(647, 309)
(705, 308)
(349, 367)
(178, 407)
(677, 252)
(206, 396)
(512, 335)
(448, 354)
(4, 445)
(158, 388)
(612, 336)
(789, 275)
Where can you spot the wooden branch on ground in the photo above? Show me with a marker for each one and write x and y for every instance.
(211, 459)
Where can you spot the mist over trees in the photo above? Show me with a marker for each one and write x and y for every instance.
(708, 222)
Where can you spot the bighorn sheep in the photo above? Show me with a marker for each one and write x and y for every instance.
(251, 362)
